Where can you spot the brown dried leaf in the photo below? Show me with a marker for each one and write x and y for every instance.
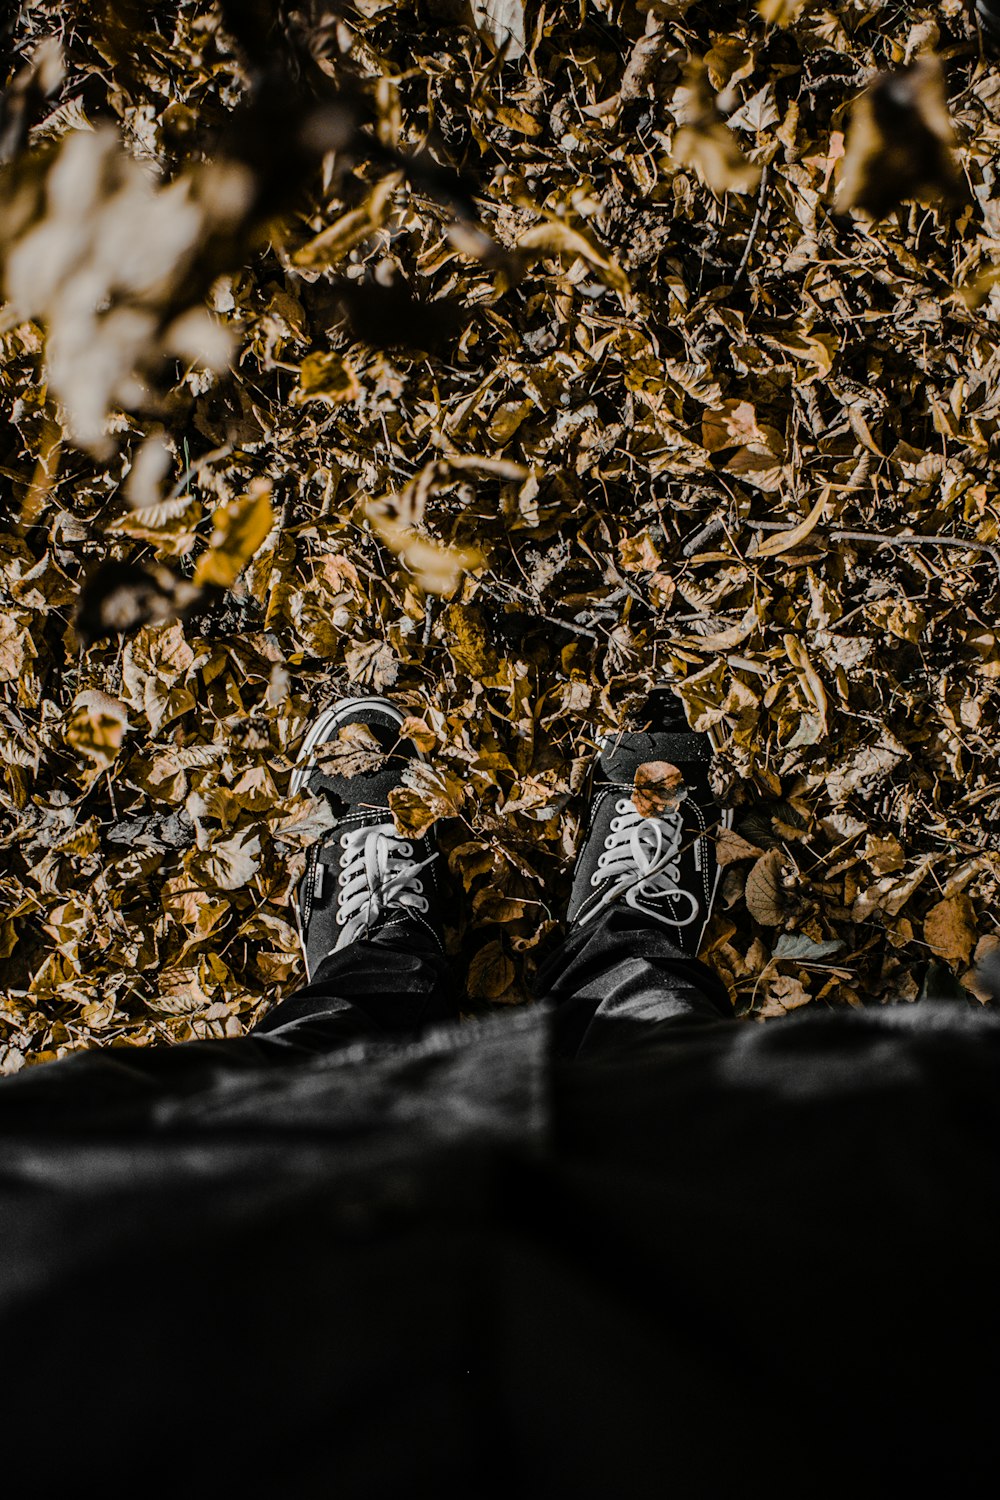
(491, 973)
(330, 246)
(232, 863)
(950, 929)
(764, 894)
(730, 848)
(96, 728)
(714, 153)
(430, 793)
(783, 993)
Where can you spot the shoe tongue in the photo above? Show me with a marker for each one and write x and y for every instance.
(360, 771)
(625, 753)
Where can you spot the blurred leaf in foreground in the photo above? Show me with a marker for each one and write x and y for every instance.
(899, 145)
(705, 142)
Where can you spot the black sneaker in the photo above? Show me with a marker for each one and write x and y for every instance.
(988, 16)
(650, 840)
(362, 876)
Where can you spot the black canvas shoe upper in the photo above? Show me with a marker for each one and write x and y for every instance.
(663, 865)
(361, 876)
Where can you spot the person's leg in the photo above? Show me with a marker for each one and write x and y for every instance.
(616, 979)
(643, 888)
(368, 905)
(395, 982)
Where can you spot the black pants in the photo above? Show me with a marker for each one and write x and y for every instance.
(687, 1257)
(615, 980)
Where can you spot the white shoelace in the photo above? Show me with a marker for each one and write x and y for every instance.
(640, 859)
(379, 872)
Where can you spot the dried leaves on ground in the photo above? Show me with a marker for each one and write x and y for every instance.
(511, 359)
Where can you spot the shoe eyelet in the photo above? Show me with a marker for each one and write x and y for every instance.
(596, 878)
(623, 805)
(343, 840)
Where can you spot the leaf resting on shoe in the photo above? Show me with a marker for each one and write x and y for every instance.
(355, 752)
(429, 794)
(658, 785)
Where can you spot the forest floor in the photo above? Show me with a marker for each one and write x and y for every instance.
(533, 379)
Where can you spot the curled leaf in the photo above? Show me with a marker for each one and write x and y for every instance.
(785, 541)
(764, 895)
(436, 566)
(333, 243)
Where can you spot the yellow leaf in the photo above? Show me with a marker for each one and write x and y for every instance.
(639, 554)
(340, 237)
(811, 681)
(428, 795)
(491, 973)
(435, 566)
(764, 895)
(658, 785)
(784, 541)
(16, 646)
(326, 377)
(779, 12)
(516, 119)
(419, 732)
(97, 727)
(240, 528)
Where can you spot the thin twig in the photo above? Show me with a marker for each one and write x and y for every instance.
(533, 599)
(705, 534)
(840, 535)
(755, 225)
